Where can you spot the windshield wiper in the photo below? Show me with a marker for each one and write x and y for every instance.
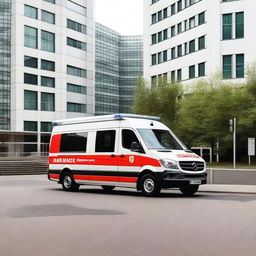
(164, 150)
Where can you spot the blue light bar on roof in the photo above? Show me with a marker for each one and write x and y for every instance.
(122, 116)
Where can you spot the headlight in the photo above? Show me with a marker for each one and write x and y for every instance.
(169, 164)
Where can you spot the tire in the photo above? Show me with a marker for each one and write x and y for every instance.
(149, 185)
(189, 190)
(108, 188)
(68, 183)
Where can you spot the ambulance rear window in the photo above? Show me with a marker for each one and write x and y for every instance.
(105, 141)
(73, 142)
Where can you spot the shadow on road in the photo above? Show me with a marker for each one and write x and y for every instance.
(167, 194)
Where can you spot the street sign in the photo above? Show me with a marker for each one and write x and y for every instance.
(251, 146)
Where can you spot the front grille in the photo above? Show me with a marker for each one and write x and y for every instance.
(192, 166)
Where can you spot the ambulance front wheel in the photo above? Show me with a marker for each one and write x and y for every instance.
(108, 188)
(68, 183)
(149, 185)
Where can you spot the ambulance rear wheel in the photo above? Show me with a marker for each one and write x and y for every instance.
(149, 185)
(189, 190)
(108, 188)
(68, 183)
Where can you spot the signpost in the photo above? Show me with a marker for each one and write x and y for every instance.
(251, 148)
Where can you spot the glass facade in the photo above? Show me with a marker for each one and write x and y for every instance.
(119, 62)
(5, 64)
(131, 67)
(107, 71)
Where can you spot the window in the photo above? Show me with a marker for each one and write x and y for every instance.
(153, 57)
(47, 41)
(74, 142)
(179, 28)
(76, 107)
(160, 57)
(76, 71)
(30, 100)
(76, 7)
(239, 65)
(128, 137)
(48, 65)
(105, 141)
(185, 48)
(172, 76)
(159, 35)
(227, 26)
(227, 66)
(173, 55)
(46, 126)
(165, 13)
(47, 81)
(30, 37)
(50, 1)
(201, 69)
(201, 43)
(160, 15)
(153, 18)
(165, 34)
(30, 79)
(239, 25)
(48, 17)
(153, 37)
(164, 55)
(173, 31)
(76, 88)
(179, 75)
(30, 62)
(192, 46)
(47, 101)
(179, 5)
(179, 51)
(30, 11)
(76, 44)
(201, 18)
(30, 126)
(192, 72)
(173, 9)
(76, 26)
(192, 22)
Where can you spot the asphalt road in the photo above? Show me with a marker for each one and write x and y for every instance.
(38, 218)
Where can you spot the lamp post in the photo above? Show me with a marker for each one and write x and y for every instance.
(232, 128)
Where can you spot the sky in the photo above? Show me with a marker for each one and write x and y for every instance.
(123, 16)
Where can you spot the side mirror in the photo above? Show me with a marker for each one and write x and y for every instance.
(135, 147)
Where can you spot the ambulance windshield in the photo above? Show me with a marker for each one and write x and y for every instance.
(161, 140)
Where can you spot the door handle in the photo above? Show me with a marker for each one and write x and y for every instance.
(112, 155)
(122, 155)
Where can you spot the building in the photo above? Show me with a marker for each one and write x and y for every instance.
(188, 39)
(46, 69)
(119, 63)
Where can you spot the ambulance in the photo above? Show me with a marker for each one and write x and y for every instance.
(122, 150)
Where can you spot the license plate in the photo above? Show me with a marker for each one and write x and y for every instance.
(195, 182)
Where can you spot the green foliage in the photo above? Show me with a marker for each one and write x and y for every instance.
(201, 115)
(160, 100)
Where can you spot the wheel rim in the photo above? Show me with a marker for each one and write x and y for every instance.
(67, 181)
(149, 185)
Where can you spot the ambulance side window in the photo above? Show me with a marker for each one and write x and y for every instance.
(105, 141)
(73, 142)
(128, 137)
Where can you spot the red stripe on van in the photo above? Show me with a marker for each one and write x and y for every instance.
(55, 144)
(54, 176)
(105, 178)
(126, 160)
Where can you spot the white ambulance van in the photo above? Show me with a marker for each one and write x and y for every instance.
(122, 150)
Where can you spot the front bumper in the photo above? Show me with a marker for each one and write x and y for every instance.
(169, 179)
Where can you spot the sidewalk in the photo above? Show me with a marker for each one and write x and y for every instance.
(236, 189)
